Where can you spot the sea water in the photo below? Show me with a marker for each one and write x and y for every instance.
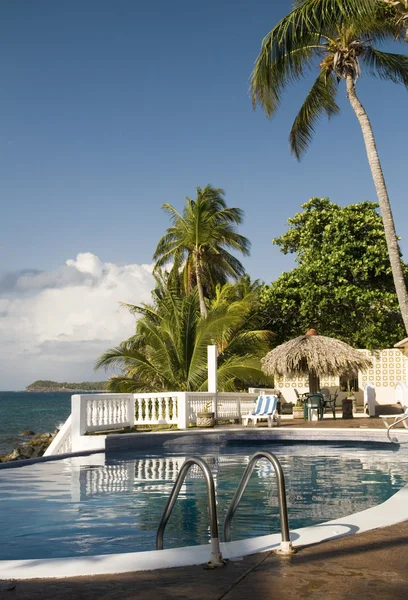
(38, 411)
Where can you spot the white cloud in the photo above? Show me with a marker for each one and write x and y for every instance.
(53, 325)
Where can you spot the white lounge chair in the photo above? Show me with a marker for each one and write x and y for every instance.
(395, 418)
(266, 407)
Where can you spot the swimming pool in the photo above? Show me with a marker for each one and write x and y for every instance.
(83, 506)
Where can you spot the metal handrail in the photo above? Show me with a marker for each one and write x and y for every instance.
(394, 439)
(216, 556)
(286, 544)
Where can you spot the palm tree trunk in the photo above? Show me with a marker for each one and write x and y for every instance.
(203, 308)
(383, 200)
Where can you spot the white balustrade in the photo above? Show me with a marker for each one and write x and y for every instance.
(62, 443)
(106, 412)
(156, 409)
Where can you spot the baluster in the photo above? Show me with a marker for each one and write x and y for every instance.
(155, 409)
(101, 412)
(162, 409)
(118, 411)
(167, 409)
(174, 413)
(139, 410)
(88, 413)
(96, 407)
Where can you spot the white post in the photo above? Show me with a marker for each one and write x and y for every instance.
(182, 411)
(212, 355)
(212, 368)
(131, 411)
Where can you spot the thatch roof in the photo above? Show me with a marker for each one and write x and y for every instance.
(318, 353)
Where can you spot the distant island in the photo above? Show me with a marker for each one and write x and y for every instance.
(55, 386)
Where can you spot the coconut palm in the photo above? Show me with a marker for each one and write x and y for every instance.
(338, 37)
(400, 8)
(200, 239)
(169, 350)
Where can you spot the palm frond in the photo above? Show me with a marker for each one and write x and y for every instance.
(320, 99)
(386, 65)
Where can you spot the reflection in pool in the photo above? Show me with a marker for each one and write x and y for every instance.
(102, 505)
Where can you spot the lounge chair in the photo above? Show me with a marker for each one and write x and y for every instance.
(266, 407)
(396, 418)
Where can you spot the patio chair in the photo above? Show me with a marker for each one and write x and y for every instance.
(314, 402)
(301, 397)
(395, 418)
(266, 407)
(329, 400)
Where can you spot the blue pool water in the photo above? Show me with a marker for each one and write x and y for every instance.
(102, 505)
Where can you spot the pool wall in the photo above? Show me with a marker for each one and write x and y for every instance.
(115, 442)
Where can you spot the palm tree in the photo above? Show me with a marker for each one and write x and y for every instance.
(401, 16)
(200, 238)
(169, 350)
(338, 37)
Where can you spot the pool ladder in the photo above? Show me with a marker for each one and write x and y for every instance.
(216, 559)
(395, 439)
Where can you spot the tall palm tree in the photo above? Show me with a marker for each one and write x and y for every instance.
(200, 239)
(338, 37)
(401, 16)
(169, 350)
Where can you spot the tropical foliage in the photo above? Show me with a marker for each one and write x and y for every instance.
(169, 350)
(343, 283)
(199, 240)
(339, 38)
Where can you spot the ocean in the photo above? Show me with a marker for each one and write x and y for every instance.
(39, 411)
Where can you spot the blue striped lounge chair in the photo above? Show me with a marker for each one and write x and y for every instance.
(266, 407)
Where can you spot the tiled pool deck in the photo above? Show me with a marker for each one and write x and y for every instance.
(367, 565)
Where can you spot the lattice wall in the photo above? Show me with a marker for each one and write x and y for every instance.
(389, 367)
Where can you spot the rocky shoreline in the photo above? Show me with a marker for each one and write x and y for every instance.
(33, 448)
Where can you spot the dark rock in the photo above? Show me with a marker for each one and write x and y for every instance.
(27, 432)
(31, 449)
(20, 453)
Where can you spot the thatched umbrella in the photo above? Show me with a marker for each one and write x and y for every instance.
(314, 355)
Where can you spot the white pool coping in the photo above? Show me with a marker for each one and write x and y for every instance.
(392, 511)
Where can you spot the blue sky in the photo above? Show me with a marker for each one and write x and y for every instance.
(109, 109)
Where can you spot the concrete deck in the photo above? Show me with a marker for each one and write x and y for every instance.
(371, 565)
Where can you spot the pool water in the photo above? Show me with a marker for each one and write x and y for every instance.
(102, 505)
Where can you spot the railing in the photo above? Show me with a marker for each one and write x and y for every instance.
(62, 443)
(96, 413)
(233, 406)
(156, 409)
(216, 556)
(108, 411)
(199, 402)
(395, 440)
(286, 544)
